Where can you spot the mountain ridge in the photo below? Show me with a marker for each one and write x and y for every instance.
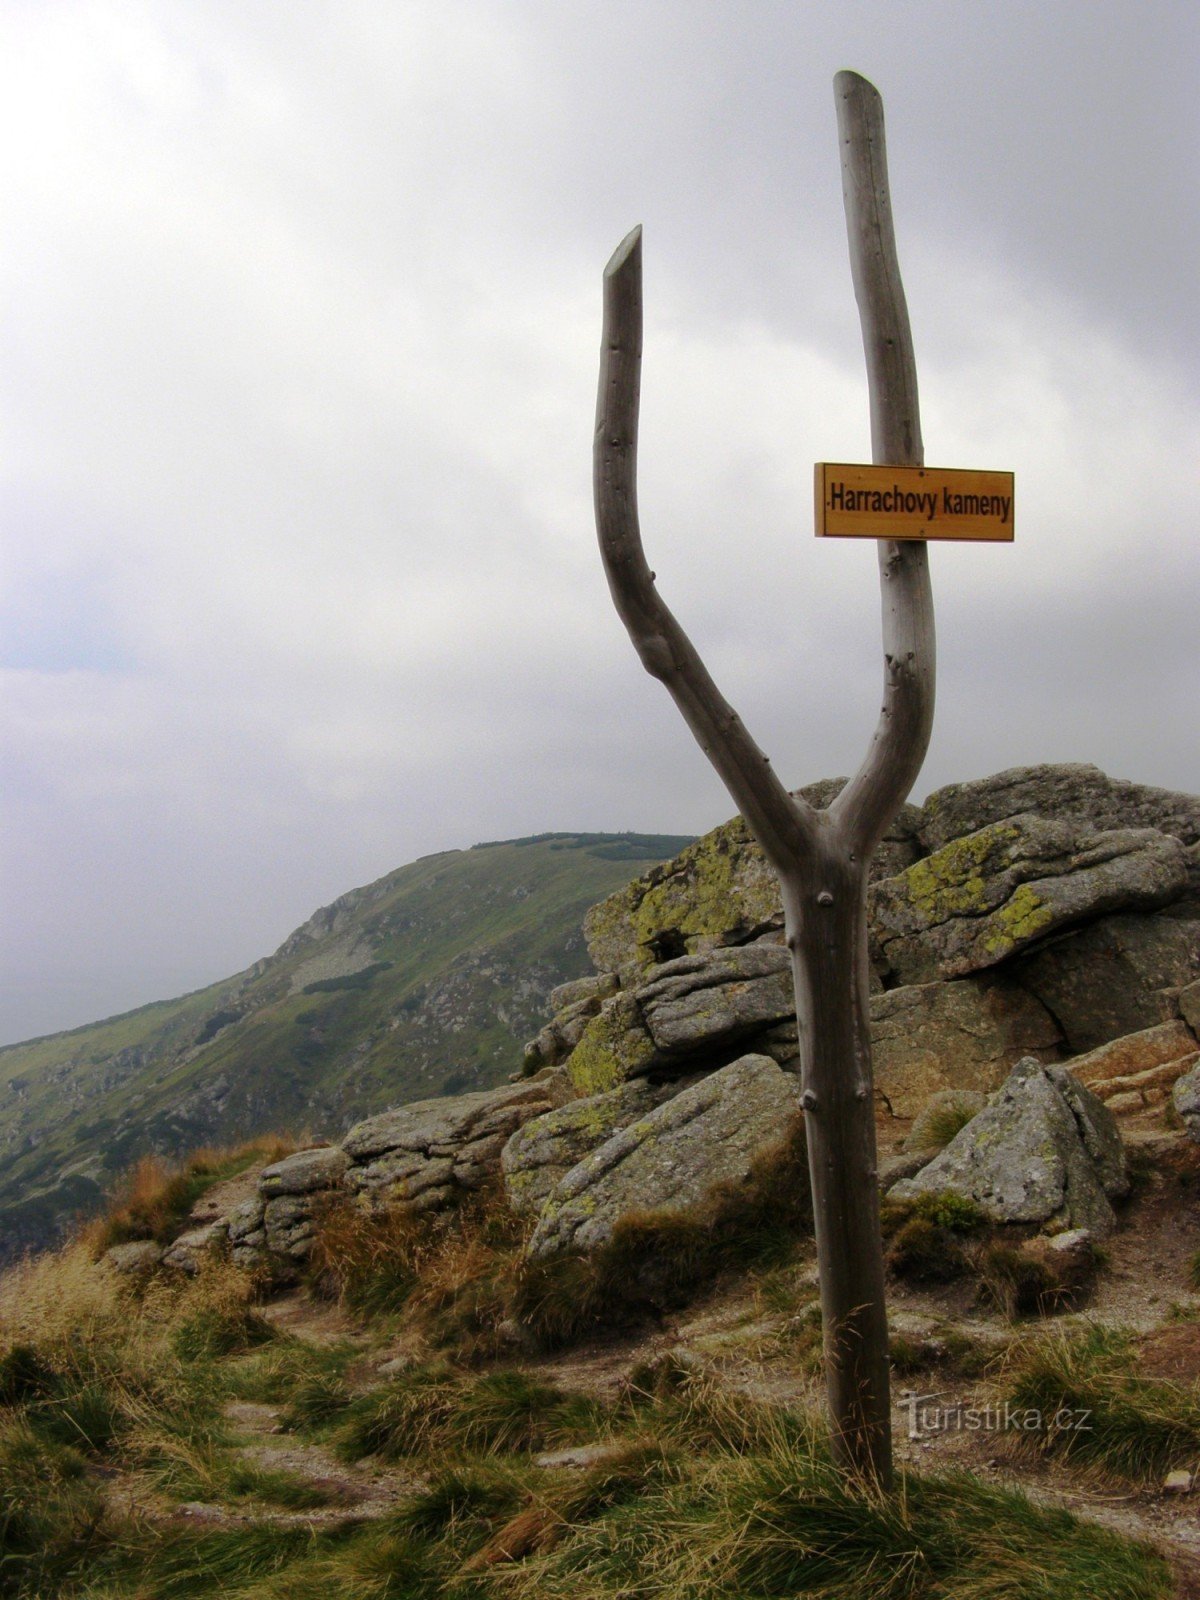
(424, 981)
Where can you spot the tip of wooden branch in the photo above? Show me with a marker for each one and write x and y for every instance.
(847, 83)
(628, 250)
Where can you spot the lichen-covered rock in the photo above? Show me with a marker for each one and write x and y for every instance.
(1067, 789)
(990, 894)
(595, 988)
(1044, 1150)
(422, 1155)
(544, 1150)
(1116, 976)
(672, 1157)
(719, 891)
(247, 1234)
(289, 1225)
(615, 1046)
(963, 1035)
(694, 1013)
(304, 1172)
(574, 1006)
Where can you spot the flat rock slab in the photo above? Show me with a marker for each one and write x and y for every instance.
(421, 1155)
(1135, 1053)
(1044, 1150)
(704, 1002)
(673, 1157)
(990, 894)
(439, 1127)
(1056, 790)
(305, 1172)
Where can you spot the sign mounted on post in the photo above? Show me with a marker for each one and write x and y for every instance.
(858, 502)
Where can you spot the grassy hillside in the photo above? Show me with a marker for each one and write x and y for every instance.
(426, 982)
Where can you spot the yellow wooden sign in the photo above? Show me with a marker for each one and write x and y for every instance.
(858, 502)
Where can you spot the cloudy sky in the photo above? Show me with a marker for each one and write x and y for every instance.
(300, 329)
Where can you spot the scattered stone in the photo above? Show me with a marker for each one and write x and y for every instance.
(1180, 1481)
(982, 898)
(580, 1457)
(926, 1038)
(673, 1157)
(904, 1164)
(1040, 1276)
(1044, 1150)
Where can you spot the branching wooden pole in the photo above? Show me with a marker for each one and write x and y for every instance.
(821, 857)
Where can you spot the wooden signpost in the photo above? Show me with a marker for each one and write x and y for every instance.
(821, 857)
(858, 502)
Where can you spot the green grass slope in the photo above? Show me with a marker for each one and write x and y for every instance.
(426, 982)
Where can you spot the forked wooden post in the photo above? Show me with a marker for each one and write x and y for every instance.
(821, 857)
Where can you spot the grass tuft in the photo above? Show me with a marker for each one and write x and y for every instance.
(1095, 1409)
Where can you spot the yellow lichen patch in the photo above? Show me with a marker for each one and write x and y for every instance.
(1022, 918)
(614, 1047)
(951, 882)
(716, 887)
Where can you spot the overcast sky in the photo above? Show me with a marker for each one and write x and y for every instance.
(301, 311)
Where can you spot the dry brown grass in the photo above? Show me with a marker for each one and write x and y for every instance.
(154, 1199)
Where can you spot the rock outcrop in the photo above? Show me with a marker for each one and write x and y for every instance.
(1044, 911)
(1045, 1150)
(1042, 914)
(671, 1158)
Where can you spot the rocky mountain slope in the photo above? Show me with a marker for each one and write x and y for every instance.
(423, 983)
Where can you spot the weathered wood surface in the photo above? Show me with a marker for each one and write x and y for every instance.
(821, 857)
